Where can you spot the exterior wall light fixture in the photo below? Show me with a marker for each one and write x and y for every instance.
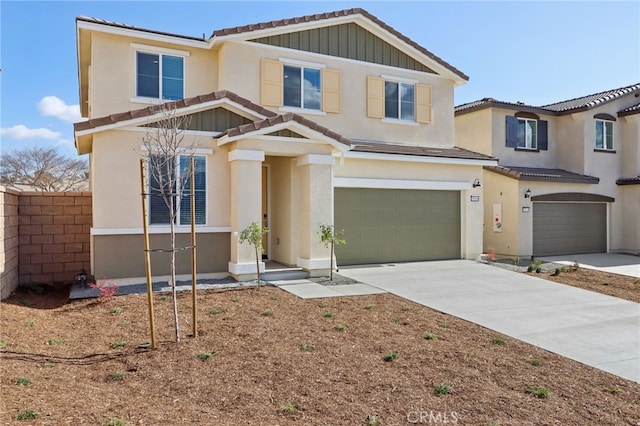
(476, 183)
(527, 193)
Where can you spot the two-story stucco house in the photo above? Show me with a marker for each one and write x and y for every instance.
(322, 119)
(568, 179)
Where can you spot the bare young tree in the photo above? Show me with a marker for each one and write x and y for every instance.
(165, 147)
(43, 169)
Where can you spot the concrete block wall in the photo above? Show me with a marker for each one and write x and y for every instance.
(54, 229)
(9, 251)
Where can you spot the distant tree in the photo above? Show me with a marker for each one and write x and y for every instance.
(43, 169)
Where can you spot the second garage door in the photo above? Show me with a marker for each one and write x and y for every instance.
(569, 228)
(392, 225)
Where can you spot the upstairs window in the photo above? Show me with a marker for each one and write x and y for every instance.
(604, 134)
(393, 99)
(302, 87)
(399, 99)
(526, 133)
(179, 173)
(159, 76)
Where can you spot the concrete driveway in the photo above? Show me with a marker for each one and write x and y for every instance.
(592, 328)
(622, 264)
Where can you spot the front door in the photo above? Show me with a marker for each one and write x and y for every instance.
(265, 217)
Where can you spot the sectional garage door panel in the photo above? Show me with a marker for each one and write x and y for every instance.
(390, 225)
(569, 228)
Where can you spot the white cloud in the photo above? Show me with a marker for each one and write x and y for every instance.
(55, 107)
(23, 132)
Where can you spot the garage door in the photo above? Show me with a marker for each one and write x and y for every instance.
(569, 228)
(392, 225)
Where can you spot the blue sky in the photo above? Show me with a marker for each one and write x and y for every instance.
(535, 52)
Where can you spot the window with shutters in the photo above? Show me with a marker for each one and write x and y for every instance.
(604, 135)
(299, 85)
(159, 76)
(398, 100)
(158, 208)
(526, 133)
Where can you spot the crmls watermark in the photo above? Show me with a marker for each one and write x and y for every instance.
(433, 417)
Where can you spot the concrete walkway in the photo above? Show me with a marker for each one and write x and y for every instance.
(592, 328)
(615, 263)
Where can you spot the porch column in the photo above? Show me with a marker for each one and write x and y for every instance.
(315, 208)
(246, 207)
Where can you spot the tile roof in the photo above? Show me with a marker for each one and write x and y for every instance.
(154, 109)
(633, 109)
(629, 181)
(542, 174)
(592, 101)
(417, 150)
(559, 108)
(131, 27)
(336, 14)
(283, 118)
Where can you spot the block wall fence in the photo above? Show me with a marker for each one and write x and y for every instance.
(49, 231)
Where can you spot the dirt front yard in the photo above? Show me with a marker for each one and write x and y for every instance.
(266, 357)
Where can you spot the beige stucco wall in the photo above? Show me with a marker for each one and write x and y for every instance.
(113, 72)
(239, 71)
(474, 131)
(630, 145)
(501, 190)
(282, 244)
(629, 199)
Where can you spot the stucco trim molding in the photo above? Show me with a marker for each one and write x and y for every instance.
(327, 160)
(245, 268)
(311, 264)
(246, 155)
(342, 182)
(574, 197)
(160, 230)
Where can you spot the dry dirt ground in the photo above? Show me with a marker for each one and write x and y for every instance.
(278, 360)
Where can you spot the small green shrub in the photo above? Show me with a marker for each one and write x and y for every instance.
(390, 356)
(116, 376)
(113, 422)
(535, 362)
(442, 389)
(3, 344)
(163, 298)
(117, 310)
(612, 389)
(23, 381)
(118, 344)
(328, 314)
(203, 356)
(55, 341)
(26, 302)
(30, 323)
(235, 299)
(322, 305)
(267, 314)
(288, 408)
(216, 311)
(27, 414)
(538, 392)
(556, 272)
(307, 348)
(373, 420)
(444, 324)
(340, 327)
(430, 336)
(36, 288)
(368, 307)
(498, 341)
(407, 309)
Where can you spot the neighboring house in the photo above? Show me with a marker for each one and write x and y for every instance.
(569, 174)
(329, 118)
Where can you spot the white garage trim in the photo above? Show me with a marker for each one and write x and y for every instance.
(342, 182)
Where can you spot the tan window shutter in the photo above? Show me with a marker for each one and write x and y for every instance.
(331, 91)
(375, 97)
(423, 103)
(271, 75)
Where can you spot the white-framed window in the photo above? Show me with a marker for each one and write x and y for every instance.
(158, 209)
(302, 87)
(604, 134)
(527, 133)
(159, 76)
(399, 100)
